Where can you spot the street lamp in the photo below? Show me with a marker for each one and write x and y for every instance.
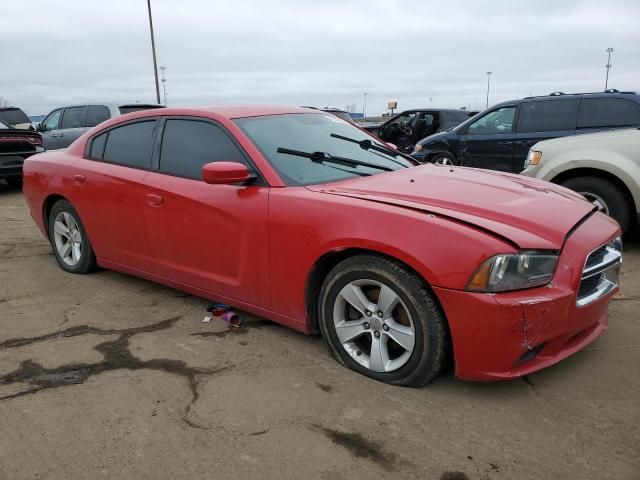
(164, 84)
(488, 81)
(153, 50)
(608, 66)
(364, 107)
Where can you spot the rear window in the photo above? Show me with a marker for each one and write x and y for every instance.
(13, 116)
(136, 108)
(130, 145)
(548, 116)
(608, 112)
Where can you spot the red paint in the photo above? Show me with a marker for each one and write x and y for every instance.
(255, 246)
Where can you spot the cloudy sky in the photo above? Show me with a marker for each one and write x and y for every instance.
(314, 52)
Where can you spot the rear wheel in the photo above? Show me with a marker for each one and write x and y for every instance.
(605, 195)
(380, 320)
(69, 239)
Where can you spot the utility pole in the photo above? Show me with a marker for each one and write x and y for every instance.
(608, 66)
(364, 107)
(488, 81)
(164, 86)
(153, 49)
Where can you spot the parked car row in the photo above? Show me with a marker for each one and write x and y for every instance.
(300, 217)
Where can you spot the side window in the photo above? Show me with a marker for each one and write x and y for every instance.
(189, 144)
(97, 146)
(493, 123)
(73, 117)
(608, 112)
(131, 145)
(548, 116)
(404, 121)
(96, 114)
(52, 121)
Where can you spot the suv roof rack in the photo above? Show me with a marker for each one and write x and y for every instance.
(610, 90)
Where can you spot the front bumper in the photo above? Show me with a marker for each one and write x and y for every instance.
(508, 335)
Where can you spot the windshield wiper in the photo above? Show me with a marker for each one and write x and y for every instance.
(369, 145)
(321, 157)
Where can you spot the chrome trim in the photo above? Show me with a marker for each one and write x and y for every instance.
(608, 269)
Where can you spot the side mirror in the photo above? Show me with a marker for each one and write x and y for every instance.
(228, 173)
(41, 128)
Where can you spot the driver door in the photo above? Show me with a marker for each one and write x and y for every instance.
(50, 131)
(489, 141)
(213, 237)
(398, 130)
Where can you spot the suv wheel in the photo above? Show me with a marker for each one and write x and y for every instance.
(444, 159)
(605, 195)
(380, 320)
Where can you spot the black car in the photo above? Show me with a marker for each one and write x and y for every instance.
(16, 118)
(406, 128)
(500, 137)
(15, 146)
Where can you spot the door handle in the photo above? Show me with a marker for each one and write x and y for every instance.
(505, 142)
(79, 179)
(154, 200)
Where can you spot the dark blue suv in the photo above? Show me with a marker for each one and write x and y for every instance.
(500, 137)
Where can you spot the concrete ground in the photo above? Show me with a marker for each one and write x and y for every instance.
(110, 376)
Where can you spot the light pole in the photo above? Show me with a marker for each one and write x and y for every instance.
(164, 87)
(153, 50)
(364, 107)
(488, 81)
(608, 66)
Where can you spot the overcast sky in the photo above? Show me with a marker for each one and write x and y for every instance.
(314, 52)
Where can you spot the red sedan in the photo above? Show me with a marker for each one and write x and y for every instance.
(302, 218)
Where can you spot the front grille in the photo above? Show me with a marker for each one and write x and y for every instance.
(600, 273)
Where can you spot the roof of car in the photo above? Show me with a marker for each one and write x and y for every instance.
(229, 111)
(111, 104)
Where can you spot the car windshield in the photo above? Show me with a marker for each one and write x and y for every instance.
(13, 116)
(311, 132)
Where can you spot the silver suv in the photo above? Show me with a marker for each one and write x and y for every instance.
(604, 167)
(64, 125)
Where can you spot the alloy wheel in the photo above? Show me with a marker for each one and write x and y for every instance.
(374, 325)
(67, 238)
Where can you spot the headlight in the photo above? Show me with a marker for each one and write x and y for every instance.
(513, 271)
(533, 158)
(417, 148)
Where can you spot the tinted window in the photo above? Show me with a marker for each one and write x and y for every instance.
(73, 117)
(188, 144)
(131, 144)
(51, 122)
(97, 146)
(493, 123)
(608, 112)
(548, 116)
(14, 116)
(96, 114)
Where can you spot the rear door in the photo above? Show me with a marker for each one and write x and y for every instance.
(110, 195)
(72, 125)
(541, 120)
(607, 113)
(488, 141)
(50, 130)
(213, 237)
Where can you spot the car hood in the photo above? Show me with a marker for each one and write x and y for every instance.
(528, 213)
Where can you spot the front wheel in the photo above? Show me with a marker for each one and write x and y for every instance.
(69, 239)
(604, 195)
(380, 320)
(444, 159)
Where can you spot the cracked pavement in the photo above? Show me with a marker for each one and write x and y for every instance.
(110, 376)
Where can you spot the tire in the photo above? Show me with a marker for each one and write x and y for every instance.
(444, 159)
(415, 311)
(14, 182)
(73, 253)
(604, 194)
